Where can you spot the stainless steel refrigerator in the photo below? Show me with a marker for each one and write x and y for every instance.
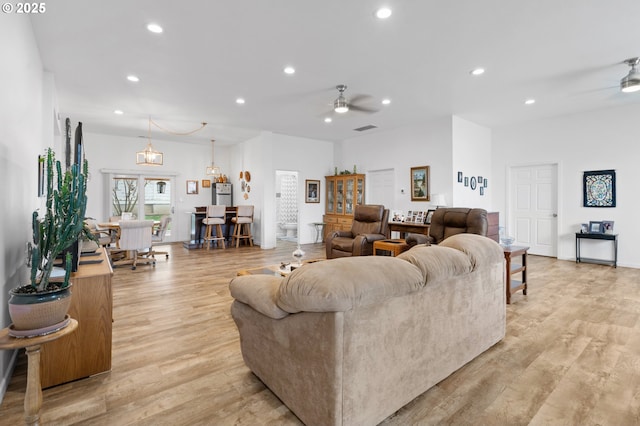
(223, 194)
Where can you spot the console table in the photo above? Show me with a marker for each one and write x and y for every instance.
(602, 237)
(407, 227)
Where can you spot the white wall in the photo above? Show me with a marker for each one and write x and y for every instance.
(25, 100)
(428, 144)
(471, 153)
(265, 154)
(597, 140)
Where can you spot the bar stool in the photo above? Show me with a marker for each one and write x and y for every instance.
(242, 225)
(215, 217)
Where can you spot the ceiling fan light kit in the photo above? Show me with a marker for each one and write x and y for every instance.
(340, 105)
(631, 82)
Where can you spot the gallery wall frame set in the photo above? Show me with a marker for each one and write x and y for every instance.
(474, 182)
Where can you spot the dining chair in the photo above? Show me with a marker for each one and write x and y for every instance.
(216, 217)
(157, 237)
(135, 239)
(242, 225)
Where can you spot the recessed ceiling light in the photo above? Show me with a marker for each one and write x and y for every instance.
(477, 71)
(383, 13)
(118, 112)
(328, 120)
(386, 101)
(239, 101)
(289, 70)
(133, 78)
(155, 28)
(530, 102)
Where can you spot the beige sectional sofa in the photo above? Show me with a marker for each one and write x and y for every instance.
(350, 341)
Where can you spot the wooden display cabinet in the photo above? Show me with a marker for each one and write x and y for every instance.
(343, 194)
(87, 351)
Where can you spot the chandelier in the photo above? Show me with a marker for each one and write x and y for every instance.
(151, 157)
(213, 170)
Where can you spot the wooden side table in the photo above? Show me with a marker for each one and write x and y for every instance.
(514, 268)
(33, 394)
(395, 247)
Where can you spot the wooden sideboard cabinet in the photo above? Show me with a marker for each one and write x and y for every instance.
(87, 351)
(343, 194)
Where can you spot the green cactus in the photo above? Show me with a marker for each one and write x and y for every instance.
(63, 221)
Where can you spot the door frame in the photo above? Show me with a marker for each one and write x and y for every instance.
(509, 220)
(141, 175)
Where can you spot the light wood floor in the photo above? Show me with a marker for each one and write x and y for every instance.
(571, 355)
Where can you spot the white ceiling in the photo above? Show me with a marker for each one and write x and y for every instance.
(566, 54)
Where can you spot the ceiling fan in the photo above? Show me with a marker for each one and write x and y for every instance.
(342, 105)
(631, 82)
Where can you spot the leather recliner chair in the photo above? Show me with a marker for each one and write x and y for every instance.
(370, 223)
(449, 221)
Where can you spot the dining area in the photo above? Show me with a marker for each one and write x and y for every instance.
(129, 241)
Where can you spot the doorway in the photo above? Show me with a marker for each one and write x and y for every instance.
(287, 226)
(533, 208)
(146, 197)
(380, 184)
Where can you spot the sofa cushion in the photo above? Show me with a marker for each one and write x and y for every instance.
(339, 285)
(437, 262)
(480, 250)
(259, 292)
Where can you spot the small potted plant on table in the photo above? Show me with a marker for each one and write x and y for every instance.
(41, 306)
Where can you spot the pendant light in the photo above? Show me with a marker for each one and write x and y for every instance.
(149, 157)
(213, 170)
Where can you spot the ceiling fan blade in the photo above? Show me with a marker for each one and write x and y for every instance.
(362, 109)
(358, 98)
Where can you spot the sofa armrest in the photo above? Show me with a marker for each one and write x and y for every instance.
(363, 243)
(260, 292)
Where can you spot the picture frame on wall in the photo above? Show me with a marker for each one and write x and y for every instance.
(459, 177)
(599, 188)
(312, 191)
(192, 187)
(41, 174)
(420, 183)
(206, 183)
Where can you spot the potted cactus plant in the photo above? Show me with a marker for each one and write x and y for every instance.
(59, 228)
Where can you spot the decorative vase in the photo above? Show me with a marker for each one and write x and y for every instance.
(35, 311)
(298, 254)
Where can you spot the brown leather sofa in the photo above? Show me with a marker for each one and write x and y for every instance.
(450, 221)
(370, 223)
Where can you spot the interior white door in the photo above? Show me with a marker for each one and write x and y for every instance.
(380, 188)
(533, 208)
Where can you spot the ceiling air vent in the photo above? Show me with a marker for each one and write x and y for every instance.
(363, 128)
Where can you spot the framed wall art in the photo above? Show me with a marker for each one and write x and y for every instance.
(192, 187)
(206, 183)
(312, 192)
(420, 184)
(599, 188)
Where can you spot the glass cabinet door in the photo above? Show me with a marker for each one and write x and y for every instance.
(360, 191)
(339, 196)
(331, 187)
(348, 198)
